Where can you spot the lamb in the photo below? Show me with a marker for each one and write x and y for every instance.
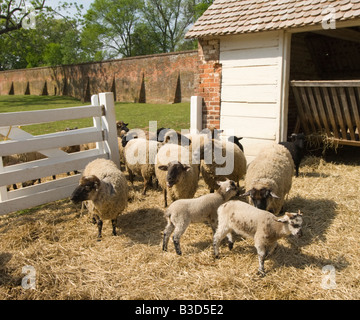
(175, 173)
(210, 168)
(203, 209)
(105, 189)
(296, 147)
(140, 155)
(264, 227)
(269, 177)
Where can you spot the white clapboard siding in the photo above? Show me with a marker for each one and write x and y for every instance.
(246, 109)
(251, 75)
(104, 133)
(252, 71)
(259, 128)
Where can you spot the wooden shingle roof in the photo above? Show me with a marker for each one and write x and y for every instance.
(226, 17)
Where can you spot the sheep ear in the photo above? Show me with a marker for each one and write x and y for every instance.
(283, 220)
(186, 167)
(163, 168)
(219, 183)
(246, 194)
(239, 138)
(274, 195)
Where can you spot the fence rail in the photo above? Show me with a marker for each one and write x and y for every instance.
(55, 161)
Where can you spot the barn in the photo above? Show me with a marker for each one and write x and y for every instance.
(270, 68)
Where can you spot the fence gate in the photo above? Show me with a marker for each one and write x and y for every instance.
(55, 161)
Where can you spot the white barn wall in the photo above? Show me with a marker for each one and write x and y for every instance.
(252, 88)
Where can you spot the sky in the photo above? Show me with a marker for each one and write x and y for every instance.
(55, 3)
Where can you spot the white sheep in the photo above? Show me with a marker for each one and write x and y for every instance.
(140, 156)
(105, 189)
(269, 177)
(221, 160)
(203, 209)
(264, 227)
(175, 173)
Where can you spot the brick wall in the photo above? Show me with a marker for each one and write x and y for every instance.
(162, 78)
(209, 81)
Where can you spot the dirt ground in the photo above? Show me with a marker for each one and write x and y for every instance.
(59, 244)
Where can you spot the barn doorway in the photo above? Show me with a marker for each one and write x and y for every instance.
(325, 83)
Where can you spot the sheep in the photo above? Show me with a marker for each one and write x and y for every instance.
(224, 156)
(203, 209)
(296, 147)
(140, 155)
(105, 189)
(122, 128)
(264, 227)
(172, 136)
(236, 140)
(269, 177)
(175, 173)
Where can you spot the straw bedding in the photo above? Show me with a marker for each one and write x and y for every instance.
(60, 243)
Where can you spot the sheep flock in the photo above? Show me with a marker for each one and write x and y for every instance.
(174, 163)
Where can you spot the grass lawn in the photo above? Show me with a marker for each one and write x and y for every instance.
(138, 115)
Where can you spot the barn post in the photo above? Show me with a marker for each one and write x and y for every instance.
(109, 126)
(196, 114)
(285, 44)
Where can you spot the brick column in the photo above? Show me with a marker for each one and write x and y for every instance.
(209, 81)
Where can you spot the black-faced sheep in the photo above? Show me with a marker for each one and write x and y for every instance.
(140, 156)
(105, 189)
(236, 140)
(203, 209)
(262, 226)
(175, 173)
(297, 149)
(269, 178)
(222, 160)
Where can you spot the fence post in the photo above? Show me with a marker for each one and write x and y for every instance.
(109, 126)
(3, 190)
(97, 123)
(196, 114)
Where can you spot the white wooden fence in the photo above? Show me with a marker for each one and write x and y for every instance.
(104, 133)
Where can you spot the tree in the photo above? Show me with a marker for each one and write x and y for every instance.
(15, 14)
(169, 20)
(113, 24)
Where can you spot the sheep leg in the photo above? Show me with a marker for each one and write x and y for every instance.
(271, 249)
(113, 222)
(131, 176)
(146, 185)
(167, 233)
(165, 197)
(98, 221)
(261, 250)
(218, 237)
(177, 235)
(230, 241)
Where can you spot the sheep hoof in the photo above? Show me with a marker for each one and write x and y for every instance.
(230, 245)
(261, 273)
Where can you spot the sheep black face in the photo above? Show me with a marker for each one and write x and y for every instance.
(86, 190)
(294, 221)
(260, 197)
(121, 126)
(174, 172)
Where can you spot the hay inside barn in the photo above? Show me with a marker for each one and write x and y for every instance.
(60, 244)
